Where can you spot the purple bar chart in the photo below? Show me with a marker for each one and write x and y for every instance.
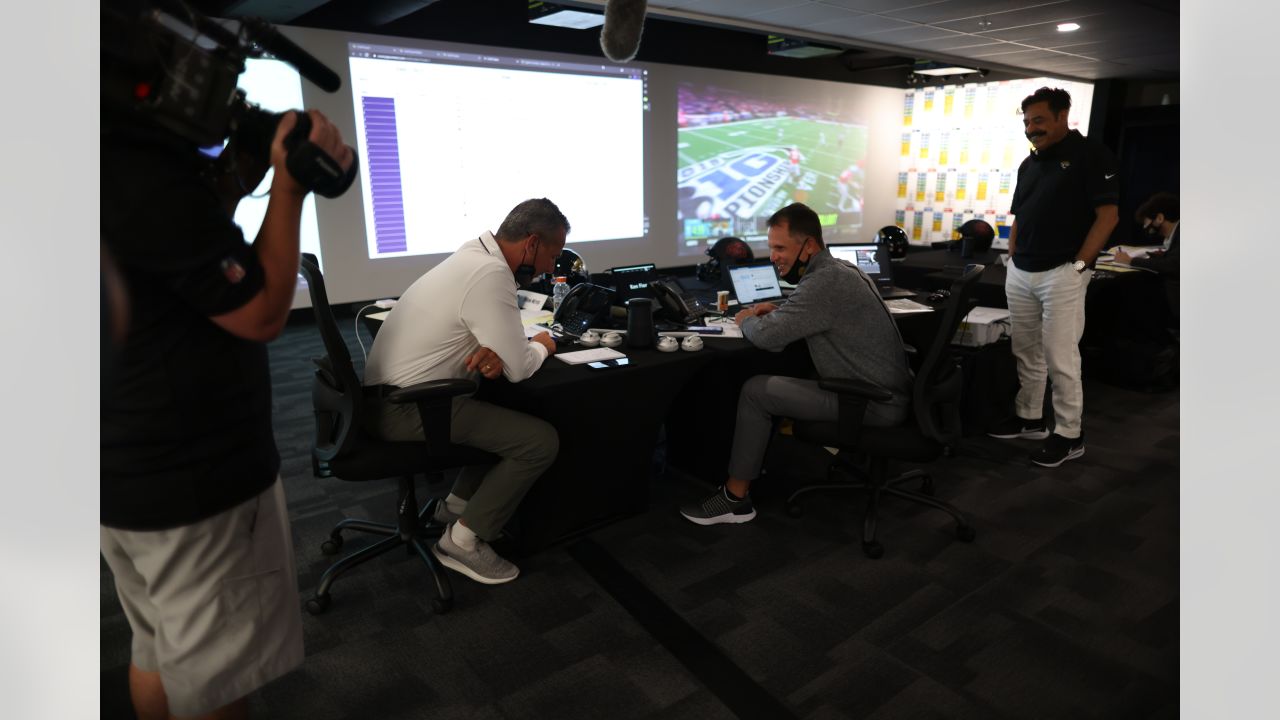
(384, 174)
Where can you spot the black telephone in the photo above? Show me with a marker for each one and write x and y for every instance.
(585, 306)
(671, 303)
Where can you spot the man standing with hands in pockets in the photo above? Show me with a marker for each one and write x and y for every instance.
(1065, 207)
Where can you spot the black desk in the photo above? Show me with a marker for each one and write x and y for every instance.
(930, 270)
(609, 423)
(1126, 314)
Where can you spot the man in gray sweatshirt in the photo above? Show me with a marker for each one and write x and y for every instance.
(838, 312)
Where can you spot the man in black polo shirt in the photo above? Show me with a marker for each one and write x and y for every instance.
(194, 525)
(1065, 207)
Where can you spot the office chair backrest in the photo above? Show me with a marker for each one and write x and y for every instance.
(335, 391)
(939, 382)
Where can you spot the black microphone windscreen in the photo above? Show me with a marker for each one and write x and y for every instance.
(285, 49)
(623, 23)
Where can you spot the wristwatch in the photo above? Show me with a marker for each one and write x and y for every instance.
(1080, 266)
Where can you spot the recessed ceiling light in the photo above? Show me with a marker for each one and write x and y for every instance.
(1068, 27)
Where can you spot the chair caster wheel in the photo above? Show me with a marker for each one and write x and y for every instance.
(873, 549)
(794, 510)
(332, 545)
(966, 533)
(318, 604)
(440, 606)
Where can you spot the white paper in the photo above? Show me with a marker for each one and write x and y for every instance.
(986, 315)
(1133, 251)
(578, 357)
(900, 306)
(729, 328)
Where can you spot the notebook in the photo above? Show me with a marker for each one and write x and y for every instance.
(755, 283)
(872, 259)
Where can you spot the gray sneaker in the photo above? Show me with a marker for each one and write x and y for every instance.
(482, 564)
(719, 508)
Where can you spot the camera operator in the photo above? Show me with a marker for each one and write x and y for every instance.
(194, 525)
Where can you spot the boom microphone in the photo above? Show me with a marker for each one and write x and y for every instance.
(285, 49)
(623, 22)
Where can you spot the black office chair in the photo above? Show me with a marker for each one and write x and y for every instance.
(932, 429)
(341, 448)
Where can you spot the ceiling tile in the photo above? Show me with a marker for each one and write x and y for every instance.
(955, 10)
(679, 4)
(915, 33)
(1167, 62)
(880, 6)
(739, 8)
(863, 25)
(1117, 50)
(1042, 14)
(1047, 34)
(804, 15)
(956, 42)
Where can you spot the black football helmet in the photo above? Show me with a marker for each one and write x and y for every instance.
(572, 267)
(726, 251)
(895, 238)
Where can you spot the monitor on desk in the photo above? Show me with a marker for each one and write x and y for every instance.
(632, 281)
(870, 258)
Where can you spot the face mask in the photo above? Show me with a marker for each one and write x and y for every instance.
(798, 267)
(524, 271)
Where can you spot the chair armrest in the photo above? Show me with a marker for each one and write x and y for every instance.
(432, 390)
(846, 386)
(853, 398)
(434, 399)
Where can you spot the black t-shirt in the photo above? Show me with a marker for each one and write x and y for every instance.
(1054, 202)
(186, 411)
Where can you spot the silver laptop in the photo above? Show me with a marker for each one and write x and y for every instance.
(872, 259)
(755, 283)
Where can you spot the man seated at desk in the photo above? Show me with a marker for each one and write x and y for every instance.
(459, 318)
(1159, 218)
(838, 312)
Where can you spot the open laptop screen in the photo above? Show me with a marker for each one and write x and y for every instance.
(755, 283)
(869, 258)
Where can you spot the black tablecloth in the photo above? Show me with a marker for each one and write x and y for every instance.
(609, 422)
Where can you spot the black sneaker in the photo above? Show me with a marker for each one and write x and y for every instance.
(1057, 450)
(719, 508)
(1016, 427)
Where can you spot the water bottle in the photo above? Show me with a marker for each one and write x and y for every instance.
(558, 292)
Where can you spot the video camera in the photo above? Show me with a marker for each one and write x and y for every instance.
(171, 71)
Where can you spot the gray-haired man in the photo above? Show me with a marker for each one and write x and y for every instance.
(458, 320)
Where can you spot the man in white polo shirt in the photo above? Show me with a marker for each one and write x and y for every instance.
(462, 318)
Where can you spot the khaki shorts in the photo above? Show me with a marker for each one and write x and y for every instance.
(214, 605)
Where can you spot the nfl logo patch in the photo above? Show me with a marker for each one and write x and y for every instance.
(232, 270)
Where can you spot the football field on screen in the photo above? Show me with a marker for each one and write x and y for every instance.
(716, 160)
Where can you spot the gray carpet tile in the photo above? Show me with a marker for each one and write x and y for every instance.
(1065, 606)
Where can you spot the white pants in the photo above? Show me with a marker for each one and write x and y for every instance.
(1047, 319)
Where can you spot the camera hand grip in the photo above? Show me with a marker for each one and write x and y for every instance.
(314, 168)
